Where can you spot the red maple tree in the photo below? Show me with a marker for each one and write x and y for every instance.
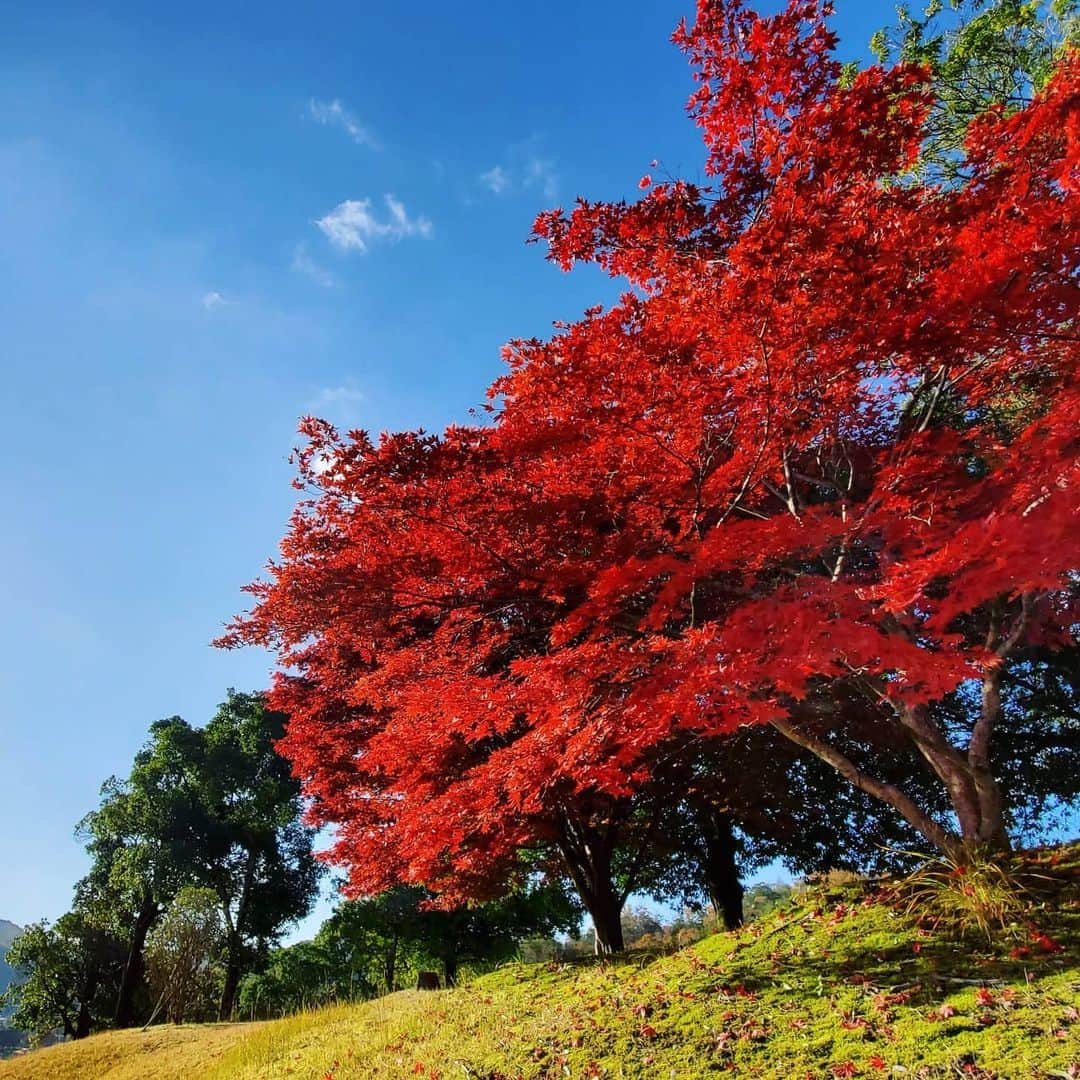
(822, 452)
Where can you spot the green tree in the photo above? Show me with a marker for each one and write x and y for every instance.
(980, 54)
(216, 807)
(142, 840)
(259, 856)
(63, 974)
(182, 953)
(298, 977)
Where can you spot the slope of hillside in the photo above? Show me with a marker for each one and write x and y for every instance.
(839, 984)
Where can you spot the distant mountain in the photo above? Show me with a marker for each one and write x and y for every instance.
(8, 933)
(10, 1039)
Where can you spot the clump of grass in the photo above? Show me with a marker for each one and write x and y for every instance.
(977, 895)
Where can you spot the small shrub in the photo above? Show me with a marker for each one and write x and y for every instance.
(977, 895)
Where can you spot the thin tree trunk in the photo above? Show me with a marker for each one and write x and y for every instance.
(232, 983)
(940, 837)
(124, 1016)
(390, 965)
(235, 942)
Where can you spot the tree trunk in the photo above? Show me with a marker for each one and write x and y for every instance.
(83, 1023)
(938, 836)
(70, 1027)
(232, 982)
(606, 915)
(390, 964)
(450, 971)
(233, 969)
(587, 853)
(124, 1016)
(721, 868)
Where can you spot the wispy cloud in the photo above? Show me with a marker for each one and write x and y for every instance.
(353, 225)
(497, 178)
(335, 114)
(524, 169)
(346, 394)
(214, 299)
(304, 264)
(340, 403)
(540, 173)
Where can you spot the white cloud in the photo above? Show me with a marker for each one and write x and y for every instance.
(347, 394)
(334, 114)
(497, 178)
(540, 173)
(523, 170)
(342, 404)
(353, 224)
(214, 299)
(304, 264)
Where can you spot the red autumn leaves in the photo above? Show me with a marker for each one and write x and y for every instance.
(823, 450)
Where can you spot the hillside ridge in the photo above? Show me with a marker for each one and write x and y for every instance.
(842, 982)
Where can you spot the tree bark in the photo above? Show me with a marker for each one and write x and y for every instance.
(124, 1016)
(232, 983)
(390, 964)
(721, 868)
(940, 837)
(235, 942)
(588, 853)
(450, 971)
(85, 1021)
(606, 914)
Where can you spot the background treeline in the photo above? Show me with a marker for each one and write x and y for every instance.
(199, 860)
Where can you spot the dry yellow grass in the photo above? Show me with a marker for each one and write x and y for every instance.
(162, 1053)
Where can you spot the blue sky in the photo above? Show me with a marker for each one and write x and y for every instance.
(213, 221)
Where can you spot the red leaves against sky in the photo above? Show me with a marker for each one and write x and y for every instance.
(837, 415)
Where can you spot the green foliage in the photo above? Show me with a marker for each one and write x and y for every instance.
(980, 54)
(214, 807)
(763, 899)
(64, 975)
(259, 856)
(182, 954)
(377, 945)
(298, 977)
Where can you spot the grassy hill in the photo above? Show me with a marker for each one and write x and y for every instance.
(842, 982)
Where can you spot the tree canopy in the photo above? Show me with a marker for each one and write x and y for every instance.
(814, 472)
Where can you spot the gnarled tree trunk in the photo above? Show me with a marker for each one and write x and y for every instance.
(588, 855)
(965, 772)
